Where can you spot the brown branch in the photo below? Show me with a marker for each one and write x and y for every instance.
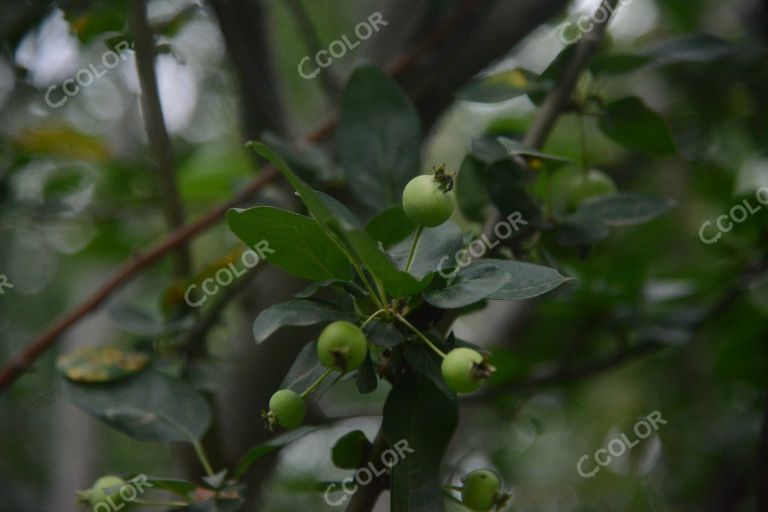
(157, 134)
(23, 360)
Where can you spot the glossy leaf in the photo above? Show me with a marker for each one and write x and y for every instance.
(421, 419)
(293, 242)
(630, 123)
(150, 406)
(295, 312)
(378, 138)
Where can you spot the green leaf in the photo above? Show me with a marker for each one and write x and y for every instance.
(702, 48)
(526, 279)
(425, 362)
(472, 284)
(137, 321)
(396, 282)
(626, 209)
(618, 64)
(420, 419)
(271, 446)
(506, 185)
(365, 379)
(173, 485)
(630, 123)
(296, 243)
(436, 246)
(471, 194)
(349, 286)
(378, 138)
(580, 230)
(150, 406)
(295, 312)
(384, 334)
(390, 226)
(516, 148)
(351, 450)
(305, 370)
(501, 86)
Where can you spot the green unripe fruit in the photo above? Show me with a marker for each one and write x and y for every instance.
(427, 202)
(586, 186)
(287, 409)
(481, 490)
(342, 346)
(98, 493)
(464, 370)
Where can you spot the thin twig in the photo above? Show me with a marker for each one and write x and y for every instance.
(157, 133)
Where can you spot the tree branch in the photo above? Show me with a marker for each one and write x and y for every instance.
(157, 134)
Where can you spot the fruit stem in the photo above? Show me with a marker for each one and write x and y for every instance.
(203, 458)
(314, 385)
(377, 313)
(415, 243)
(420, 335)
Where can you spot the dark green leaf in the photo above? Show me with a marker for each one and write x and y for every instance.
(173, 485)
(420, 419)
(366, 380)
(515, 148)
(290, 241)
(630, 123)
(396, 282)
(425, 362)
(472, 284)
(579, 230)
(390, 226)
(138, 321)
(692, 48)
(271, 446)
(383, 333)
(626, 209)
(618, 64)
(351, 450)
(348, 286)
(295, 312)
(505, 181)
(378, 138)
(436, 245)
(471, 194)
(150, 406)
(526, 279)
(305, 370)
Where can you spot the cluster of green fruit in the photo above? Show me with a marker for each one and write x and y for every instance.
(342, 346)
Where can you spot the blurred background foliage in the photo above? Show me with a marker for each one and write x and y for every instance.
(79, 195)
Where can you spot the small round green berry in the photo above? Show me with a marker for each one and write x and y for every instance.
(481, 490)
(428, 201)
(465, 369)
(287, 409)
(582, 187)
(342, 346)
(98, 493)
